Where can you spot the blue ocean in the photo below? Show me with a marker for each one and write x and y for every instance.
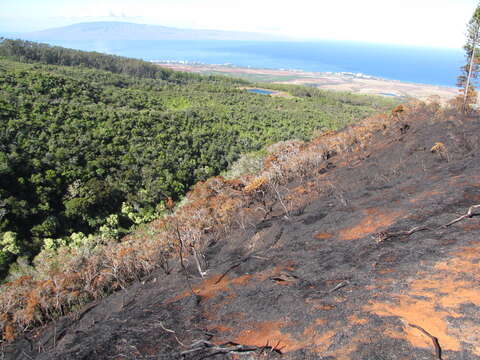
(405, 63)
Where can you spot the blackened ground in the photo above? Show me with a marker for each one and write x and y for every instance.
(323, 281)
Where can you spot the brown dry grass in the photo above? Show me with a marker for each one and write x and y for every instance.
(65, 280)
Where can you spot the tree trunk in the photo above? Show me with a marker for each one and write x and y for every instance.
(472, 59)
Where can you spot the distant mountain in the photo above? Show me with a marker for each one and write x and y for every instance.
(10, 35)
(130, 31)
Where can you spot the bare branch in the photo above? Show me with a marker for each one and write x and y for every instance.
(226, 348)
(467, 215)
(197, 262)
(340, 285)
(164, 328)
(180, 245)
(231, 268)
(382, 236)
(438, 349)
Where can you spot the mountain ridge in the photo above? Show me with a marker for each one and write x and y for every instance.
(118, 30)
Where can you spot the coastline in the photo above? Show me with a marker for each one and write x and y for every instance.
(349, 82)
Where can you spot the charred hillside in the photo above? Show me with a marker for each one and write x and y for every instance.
(357, 245)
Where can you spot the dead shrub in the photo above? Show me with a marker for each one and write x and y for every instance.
(440, 149)
(65, 279)
(256, 184)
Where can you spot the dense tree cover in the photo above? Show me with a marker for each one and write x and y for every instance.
(27, 51)
(79, 144)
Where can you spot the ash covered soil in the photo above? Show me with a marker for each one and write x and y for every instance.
(354, 263)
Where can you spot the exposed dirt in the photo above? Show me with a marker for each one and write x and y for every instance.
(355, 83)
(317, 284)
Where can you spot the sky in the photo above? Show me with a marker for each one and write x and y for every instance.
(435, 23)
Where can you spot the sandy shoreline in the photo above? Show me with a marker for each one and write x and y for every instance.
(356, 83)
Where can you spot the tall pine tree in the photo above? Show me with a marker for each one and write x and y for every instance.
(471, 69)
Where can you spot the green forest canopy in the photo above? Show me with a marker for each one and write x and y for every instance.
(83, 133)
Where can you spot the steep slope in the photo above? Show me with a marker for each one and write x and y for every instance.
(343, 248)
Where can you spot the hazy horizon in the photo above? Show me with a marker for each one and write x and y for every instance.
(280, 38)
(429, 23)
